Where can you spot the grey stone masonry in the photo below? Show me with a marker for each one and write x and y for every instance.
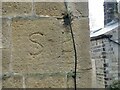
(37, 45)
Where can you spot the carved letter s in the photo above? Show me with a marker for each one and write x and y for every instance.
(36, 42)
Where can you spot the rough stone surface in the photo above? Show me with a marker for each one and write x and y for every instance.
(50, 9)
(38, 50)
(80, 29)
(0, 9)
(82, 8)
(0, 33)
(36, 45)
(16, 8)
(6, 56)
(42, 81)
(12, 82)
(0, 84)
(78, 9)
(5, 33)
(83, 80)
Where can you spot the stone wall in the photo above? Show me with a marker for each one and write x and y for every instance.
(105, 54)
(37, 45)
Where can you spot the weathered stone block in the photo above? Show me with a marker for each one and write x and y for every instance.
(6, 56)
(6, 33)
(82, 8)
(81, 33)
(78, 9)
(16, 8)
(50, 8)
(40, 45)
(12, 82)
(0, 84)
(83, 80)
(43, 81)
(0, 33)
(0, 61)
(0, 9)
(44, 45)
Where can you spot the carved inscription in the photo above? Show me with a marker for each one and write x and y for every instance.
(34, 38)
